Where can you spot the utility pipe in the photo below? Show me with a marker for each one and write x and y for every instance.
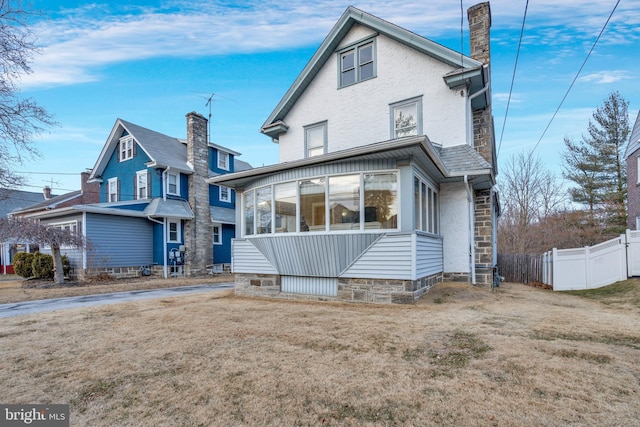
(472, 249)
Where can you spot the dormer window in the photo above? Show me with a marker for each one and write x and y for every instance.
(127, 148)
(357, 63)
(223, 160)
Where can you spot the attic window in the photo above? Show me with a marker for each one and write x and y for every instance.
(127, 148)
(357, 63)
(223, 160)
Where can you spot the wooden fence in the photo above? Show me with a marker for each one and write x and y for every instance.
(520, 268)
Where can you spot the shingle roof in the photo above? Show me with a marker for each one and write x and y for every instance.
(162, 149)
(461, 158)
(52, 202)
(169, 209)
(223, 215)
(12, 200)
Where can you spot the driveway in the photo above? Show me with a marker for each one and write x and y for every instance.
(31, 307)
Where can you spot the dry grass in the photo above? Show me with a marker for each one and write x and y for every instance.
(517, 357)
(20, 290)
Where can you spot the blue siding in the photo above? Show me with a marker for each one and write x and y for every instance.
(117, 241)
(184, 186)
(213, 162)
(222, 253)
(125, 172)
(214, 198)
(158, 256)
(156, 182)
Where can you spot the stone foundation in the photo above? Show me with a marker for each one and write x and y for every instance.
(376, 291)
(115, 272)
(457, 277)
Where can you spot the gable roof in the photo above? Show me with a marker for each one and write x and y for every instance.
(634, 139)
(13, 200)
(51, 203)
(163, 150)
(469, 67)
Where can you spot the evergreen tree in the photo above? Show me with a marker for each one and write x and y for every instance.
(596, 165)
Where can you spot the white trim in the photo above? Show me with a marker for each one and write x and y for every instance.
(178, 238)
(217, 225)
(177, 175)
(228, 198)
(226, 164)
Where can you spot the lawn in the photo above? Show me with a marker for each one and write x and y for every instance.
(462, 356)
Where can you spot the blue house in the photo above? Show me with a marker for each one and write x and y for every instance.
(156, 208)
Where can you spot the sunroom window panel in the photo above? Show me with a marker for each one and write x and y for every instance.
(425, 213)
(416, 203)
(312, 205)
(249, 212)
(286, 197)
(344, 202)
(380, 201)
(263, 210)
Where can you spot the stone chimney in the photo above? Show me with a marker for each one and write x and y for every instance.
(198, 233)
(90, 190)
(484, 143)
(479, 34)
(47, 192)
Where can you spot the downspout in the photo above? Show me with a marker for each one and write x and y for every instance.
(472, 249)
(486, 87)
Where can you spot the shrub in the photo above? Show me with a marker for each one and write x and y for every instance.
(22, 262)
(42, 266)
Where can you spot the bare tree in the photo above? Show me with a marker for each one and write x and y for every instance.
(33, 231)
(529, 194)
(21, 119)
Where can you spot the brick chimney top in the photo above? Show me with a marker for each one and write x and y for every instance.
(479, 31)
(47, 192)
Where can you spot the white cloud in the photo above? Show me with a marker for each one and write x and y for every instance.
(605, 77)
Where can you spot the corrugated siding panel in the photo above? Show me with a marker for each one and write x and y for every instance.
(320, 255)
(388, 258)
(429, 258)
(333, 168)
(118, 241)
(248, 259)
(324, 286)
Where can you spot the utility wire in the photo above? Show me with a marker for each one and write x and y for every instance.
(513, 77)
(576, 77)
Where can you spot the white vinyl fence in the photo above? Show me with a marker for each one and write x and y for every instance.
(593, 266)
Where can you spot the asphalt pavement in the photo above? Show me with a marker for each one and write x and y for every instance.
(39, 306)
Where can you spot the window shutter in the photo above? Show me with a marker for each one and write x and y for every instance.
(133, 144)
(148, 185)
(118, 193)
(118, 150)
(135, 187)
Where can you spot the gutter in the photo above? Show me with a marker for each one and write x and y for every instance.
(486, 88)
(472, 249)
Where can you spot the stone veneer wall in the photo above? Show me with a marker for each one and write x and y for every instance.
(484, 142)
(483, 205)
(376, 291)
(115, 272)
(198, 233)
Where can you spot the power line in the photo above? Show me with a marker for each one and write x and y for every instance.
(513, 77)
(576, 76)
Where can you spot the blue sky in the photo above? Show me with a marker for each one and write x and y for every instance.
(151, 63)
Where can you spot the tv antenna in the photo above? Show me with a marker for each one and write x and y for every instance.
(208, 104)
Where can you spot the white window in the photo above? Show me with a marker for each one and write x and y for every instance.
(225, 194)
(357, 63)
(406, 118)
(112, 190)
(173, 231)
(142, 185)
(217, 234)
(223, 160)
(172, 184)
(315, 139)
(638, 170)
(71, 226)
(426, 207)
(127, 148)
